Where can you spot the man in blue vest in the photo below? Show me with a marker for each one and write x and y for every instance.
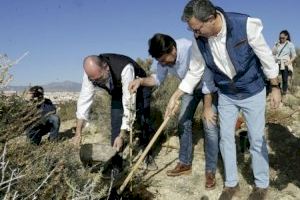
(113, 73)
(232, 46)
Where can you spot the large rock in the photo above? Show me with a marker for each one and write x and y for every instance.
(90, 153)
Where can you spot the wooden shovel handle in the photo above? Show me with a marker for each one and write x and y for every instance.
(135, 167)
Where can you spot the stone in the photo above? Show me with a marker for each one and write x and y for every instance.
(90, 153)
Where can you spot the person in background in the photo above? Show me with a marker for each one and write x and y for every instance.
(49, 122)
(285, 54)
(232, 46)
(173, 57)
(113, 72)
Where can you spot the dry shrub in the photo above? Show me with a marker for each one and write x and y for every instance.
(67, 110)
(52, 171)
(296, 73)
(101, 106)
(159, 102)
(280, 117)
(16, 115)
(48, 171)
(145, 64)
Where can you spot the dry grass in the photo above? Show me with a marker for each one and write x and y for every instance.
(54, 170)
(51, 171)
(16, 115)
(67, 110)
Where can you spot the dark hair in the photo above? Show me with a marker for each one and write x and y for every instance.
(200, 9)
(37, 91)
(286, 33)
(160, 44)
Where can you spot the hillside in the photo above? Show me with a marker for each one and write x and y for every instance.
(65, 86)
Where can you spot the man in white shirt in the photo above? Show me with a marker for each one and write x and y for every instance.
(113, 72)
(173, 57)
(234, 49)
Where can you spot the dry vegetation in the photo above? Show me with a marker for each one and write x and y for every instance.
(54, 170)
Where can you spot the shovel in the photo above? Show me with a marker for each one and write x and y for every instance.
(135, 167)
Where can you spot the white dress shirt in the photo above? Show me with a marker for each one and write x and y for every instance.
(217, 45)
(181, 66)
(85, 99)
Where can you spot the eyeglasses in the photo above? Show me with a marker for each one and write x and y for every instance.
(195, 30)
(282, 38)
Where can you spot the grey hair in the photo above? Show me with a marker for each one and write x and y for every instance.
(200, 9)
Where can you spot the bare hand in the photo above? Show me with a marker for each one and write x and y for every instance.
(134, 85)
(209, 116)
(174, 103)
(275, 98)
(118, 143)
(172, 107)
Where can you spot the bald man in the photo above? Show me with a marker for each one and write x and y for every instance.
(113, 73)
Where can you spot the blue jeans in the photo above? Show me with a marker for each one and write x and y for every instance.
(49, 124)
(189, 105)
(253, 109)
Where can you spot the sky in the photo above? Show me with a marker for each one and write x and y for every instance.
(59, 33)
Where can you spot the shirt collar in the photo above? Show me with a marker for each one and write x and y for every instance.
(223, 31)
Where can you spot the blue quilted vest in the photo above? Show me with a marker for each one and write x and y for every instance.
(249, 78)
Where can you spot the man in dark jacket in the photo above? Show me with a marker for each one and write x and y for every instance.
(49, 122)
(113, 73)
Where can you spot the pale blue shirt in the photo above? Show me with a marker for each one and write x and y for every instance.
(285, 51)
(181, 66)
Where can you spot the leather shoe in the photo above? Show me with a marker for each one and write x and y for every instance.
(180, 169)
(258, 194)
(210, 181)
(229, 192)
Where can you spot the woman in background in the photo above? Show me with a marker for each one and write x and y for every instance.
(285, 53)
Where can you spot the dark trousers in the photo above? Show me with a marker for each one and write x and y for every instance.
(285, 76)
(142, 116)
(49, 124)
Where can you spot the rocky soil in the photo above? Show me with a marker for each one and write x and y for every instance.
(283, 134)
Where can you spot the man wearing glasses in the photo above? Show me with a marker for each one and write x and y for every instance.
(232, 46)
(113, 72)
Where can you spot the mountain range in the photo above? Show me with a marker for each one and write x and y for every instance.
(65, 86)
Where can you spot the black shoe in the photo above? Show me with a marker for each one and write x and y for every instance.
(149, 163)
(114, 164)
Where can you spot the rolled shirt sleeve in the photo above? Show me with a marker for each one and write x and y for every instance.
(85, 99)
(195, 71)
(260, 47)
(128, 100)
